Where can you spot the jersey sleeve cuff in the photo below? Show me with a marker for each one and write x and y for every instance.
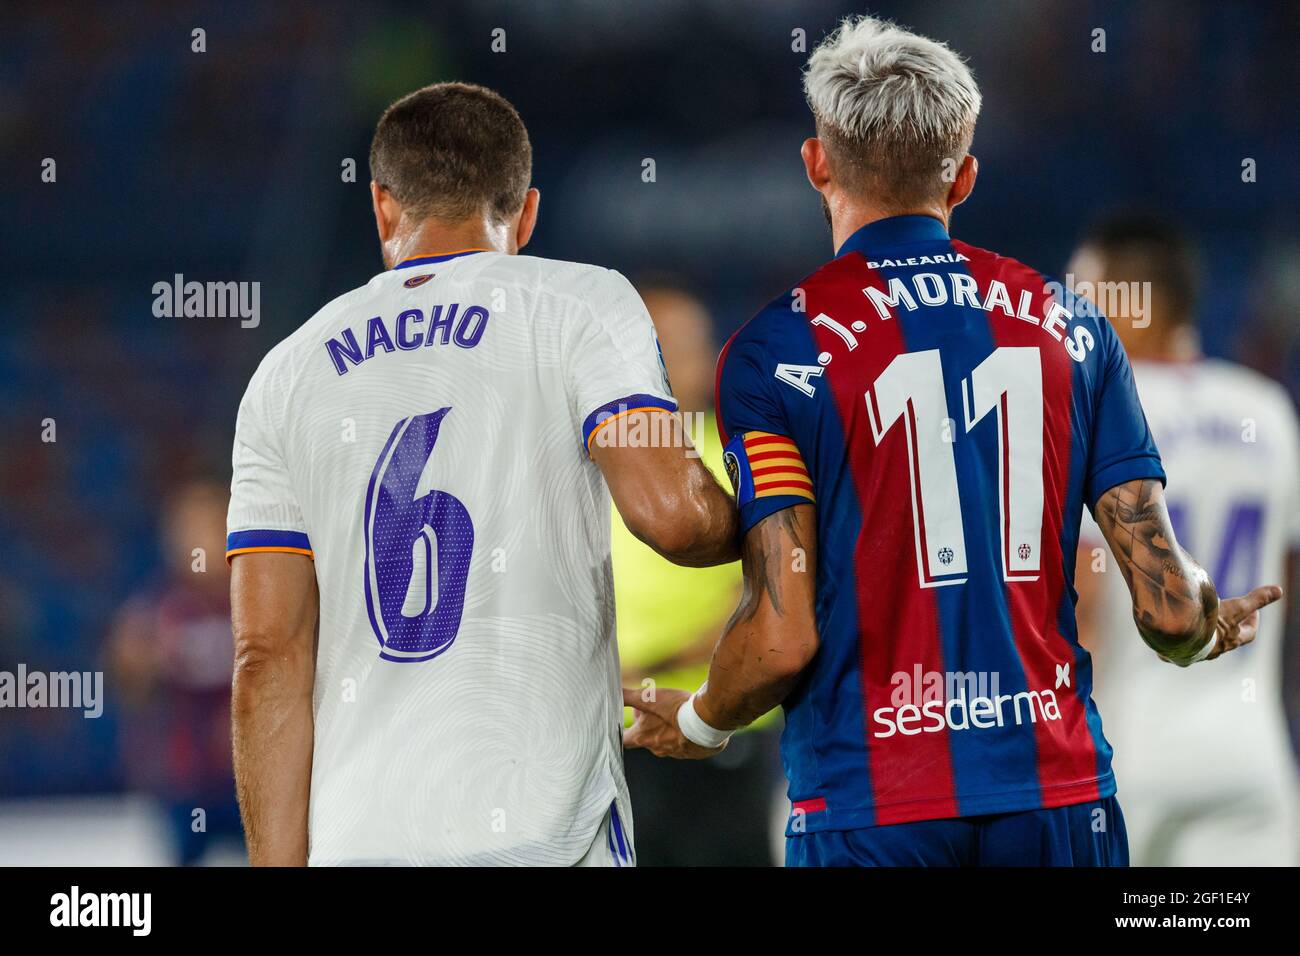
(250, 542)
(620, 408)
(1130, 469)
(767, 473)
(760, 508)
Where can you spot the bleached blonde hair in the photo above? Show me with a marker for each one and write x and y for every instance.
(891, 106)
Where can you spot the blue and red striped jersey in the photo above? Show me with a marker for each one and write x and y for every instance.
(949, 412)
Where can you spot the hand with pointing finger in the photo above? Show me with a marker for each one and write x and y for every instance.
(1239, 619)
(1236, 622)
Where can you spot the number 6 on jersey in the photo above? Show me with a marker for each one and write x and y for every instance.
(418, 546)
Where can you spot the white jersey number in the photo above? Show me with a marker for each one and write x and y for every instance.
(1008, 382)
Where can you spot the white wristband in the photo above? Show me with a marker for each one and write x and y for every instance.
(1208, 649)
(696, 730)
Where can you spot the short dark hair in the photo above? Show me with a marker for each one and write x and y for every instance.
(453, 150)
(1149, 247)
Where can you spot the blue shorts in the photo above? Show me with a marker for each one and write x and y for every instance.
(1083, 834)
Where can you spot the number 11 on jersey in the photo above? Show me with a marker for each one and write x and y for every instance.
(1008, 382)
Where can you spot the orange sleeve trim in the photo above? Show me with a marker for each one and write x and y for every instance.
(617, 415)
(309, 553)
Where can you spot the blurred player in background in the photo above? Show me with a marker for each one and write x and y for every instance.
(669, 618)
(913, 432)
(1217, 786)
(169, 660)
(441, 685)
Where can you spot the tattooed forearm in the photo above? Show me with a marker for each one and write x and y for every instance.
(773, 634)
(772, 543)
(1174, 601)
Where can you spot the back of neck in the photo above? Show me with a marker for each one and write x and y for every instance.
(848, 216)
(432, 237)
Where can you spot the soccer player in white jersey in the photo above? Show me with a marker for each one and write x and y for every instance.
(1202, 756)
(426, 668)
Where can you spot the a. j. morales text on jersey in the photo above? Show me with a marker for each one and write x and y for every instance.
(409, 330)
(931, 288)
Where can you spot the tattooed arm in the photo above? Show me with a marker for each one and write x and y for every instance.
(766, 646)
(772, 637)
(1175, 606)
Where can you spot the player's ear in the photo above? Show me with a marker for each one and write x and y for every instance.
(387, 211)
(964, 183)
(815, 163)
(527, 218)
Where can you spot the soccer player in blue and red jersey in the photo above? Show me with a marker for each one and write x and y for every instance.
(913, 432)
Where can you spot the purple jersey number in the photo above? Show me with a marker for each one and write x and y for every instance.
(417, 548)
(1233, 561)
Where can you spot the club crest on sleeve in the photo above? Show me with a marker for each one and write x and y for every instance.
(732, 464)
(663, 367)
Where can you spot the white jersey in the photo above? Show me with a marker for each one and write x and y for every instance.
(1186, 736)
(424, 438)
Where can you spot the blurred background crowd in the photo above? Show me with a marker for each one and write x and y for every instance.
(230, 164)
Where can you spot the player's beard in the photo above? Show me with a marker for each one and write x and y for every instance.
(826, 211)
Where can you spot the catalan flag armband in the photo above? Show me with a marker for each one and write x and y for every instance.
(766, 472)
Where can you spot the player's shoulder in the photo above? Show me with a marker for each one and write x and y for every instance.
(563, 292)
(783, 317)
(555, 278)
(987, 265)
(1245, 386)
(283, 361)
(1237, 376)
(1223, 383)
(1262, 406)
(782, 322)
(1080, 315)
